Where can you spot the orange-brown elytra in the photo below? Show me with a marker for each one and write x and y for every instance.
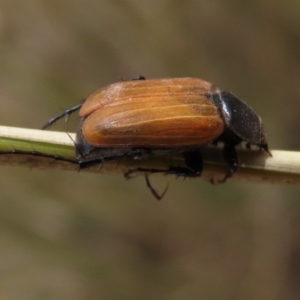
(164, 113)
(163, 116)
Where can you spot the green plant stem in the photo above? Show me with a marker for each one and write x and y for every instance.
(282, 168)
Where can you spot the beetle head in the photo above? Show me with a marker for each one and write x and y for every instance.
(242, 123)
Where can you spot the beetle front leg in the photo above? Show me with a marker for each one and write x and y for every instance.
(231, 157)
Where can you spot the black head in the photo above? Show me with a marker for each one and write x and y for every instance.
(241, 122)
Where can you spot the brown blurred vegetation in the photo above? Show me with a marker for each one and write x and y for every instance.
(81, 236)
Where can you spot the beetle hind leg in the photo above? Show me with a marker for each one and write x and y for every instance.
(130, 173)
(153, 191)
(147, 171)
(192, 159)
(40, 154)
(194, 165)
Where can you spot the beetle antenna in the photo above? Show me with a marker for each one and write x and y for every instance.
(66, 113)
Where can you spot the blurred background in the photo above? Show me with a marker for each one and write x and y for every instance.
(66, 235)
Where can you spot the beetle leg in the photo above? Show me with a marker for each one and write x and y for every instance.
(193, 161)
(128, 174)
(138, 77)
(87, 162)
(194, 164)
(40, 154)
(231, 157)
(65, 113)
(153, 191)
(178, 171)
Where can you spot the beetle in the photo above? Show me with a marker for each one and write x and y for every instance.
(179, 116)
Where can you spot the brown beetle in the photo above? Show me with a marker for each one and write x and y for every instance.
(163, 116)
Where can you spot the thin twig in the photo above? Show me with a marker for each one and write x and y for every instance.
(282, 168)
